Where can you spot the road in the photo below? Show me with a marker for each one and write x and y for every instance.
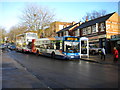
(68, 74)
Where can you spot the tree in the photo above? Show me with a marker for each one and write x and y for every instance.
(37, 18)
(2, 34)
(94, 14)
(16, 30)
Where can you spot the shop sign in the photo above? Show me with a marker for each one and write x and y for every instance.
(102, 36)
(97, 37)
(115, 36)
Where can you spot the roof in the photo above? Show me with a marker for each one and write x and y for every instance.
(94, 21)
(67, 28)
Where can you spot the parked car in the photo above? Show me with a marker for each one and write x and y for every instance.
(2, 46)
(9, 46)
(19, 49)
(12, 47)
(93, 49)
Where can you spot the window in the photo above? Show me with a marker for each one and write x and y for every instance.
(58, 44)
(94, 29)
(89, 30)
(77, 32)
(51, 45)
(60, 27)
(66, 33)
(84, 31)
(102, 26)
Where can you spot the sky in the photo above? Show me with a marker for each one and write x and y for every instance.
(68, 11)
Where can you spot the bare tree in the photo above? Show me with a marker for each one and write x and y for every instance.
(37, 18)
(15, 30)
(94, 14)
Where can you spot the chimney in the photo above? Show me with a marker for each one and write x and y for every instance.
(73, 22)
(80, 23)
(86, 19)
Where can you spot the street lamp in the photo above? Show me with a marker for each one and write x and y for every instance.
(35, 21)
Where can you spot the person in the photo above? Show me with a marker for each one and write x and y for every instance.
(115, 53)
(103, 53)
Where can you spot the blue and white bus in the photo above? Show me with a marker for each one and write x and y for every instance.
(67, 47)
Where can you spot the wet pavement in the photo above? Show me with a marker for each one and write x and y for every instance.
(55, 73)
(16, 76)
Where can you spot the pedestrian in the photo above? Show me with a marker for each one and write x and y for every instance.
(103, 53)
(115, 53)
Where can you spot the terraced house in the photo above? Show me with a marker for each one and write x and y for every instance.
(102, 31)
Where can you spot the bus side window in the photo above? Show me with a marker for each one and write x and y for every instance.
(58, 45)
(51, 46)
(54, 46)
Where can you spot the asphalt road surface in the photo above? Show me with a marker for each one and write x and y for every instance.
(68, 74)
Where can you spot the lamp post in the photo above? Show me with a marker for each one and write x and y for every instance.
(35, 22)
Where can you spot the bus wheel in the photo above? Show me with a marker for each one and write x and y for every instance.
(53, 55)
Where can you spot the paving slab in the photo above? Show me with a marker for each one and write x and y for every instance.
(97, 59)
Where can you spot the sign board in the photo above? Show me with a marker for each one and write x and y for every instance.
(115, 36)
(71, 38)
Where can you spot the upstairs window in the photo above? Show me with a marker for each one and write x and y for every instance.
(77, 32)
(94, 29)
(84, 31)
(89, 30)
(61, 27)
(102, 26)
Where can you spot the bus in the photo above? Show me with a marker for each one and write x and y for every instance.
(24, 41)
(67, 47)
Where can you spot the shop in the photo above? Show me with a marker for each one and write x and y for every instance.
(101, 41)
(115, 42)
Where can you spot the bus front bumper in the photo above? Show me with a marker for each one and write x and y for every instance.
(73, 57)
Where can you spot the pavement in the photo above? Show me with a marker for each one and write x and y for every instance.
(97, 59)
(15, 75)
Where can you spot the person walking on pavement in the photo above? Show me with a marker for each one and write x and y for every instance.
(103, 53)
(115, 53)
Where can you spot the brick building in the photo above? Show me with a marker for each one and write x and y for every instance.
(55, 27)
(99, 31)
(68, 31)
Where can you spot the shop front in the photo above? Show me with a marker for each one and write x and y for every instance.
(101, 41)
(115, 42)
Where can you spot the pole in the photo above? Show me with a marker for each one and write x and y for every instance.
(80, 48)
